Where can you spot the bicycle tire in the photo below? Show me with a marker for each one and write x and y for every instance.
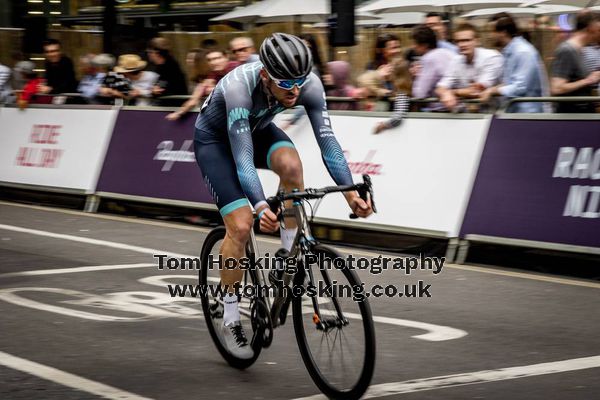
(213, 237)
(366, 374)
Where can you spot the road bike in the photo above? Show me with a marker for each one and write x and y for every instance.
(334, 328)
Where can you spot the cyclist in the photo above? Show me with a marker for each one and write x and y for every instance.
(234, 134)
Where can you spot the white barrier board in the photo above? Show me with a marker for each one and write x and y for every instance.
(59, 148)
(422, 171)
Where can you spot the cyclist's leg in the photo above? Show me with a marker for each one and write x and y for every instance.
(275, 150)
(218, 168)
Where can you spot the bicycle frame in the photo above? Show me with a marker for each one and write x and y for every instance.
(302, 244)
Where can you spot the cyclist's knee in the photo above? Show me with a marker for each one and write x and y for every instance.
(290, 172)
(239, 224)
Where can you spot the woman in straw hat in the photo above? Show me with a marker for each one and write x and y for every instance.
(140, 82)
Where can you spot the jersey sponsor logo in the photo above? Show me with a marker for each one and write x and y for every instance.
(366, 166)
(325, 131)
(236, 114)
(166, 153)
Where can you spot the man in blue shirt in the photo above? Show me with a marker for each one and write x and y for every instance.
(524, 74)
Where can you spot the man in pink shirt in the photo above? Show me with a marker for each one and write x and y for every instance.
(434, 61)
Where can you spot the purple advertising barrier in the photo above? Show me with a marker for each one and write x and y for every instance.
(539, 181)
(149, 156)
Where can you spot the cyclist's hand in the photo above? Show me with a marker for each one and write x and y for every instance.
(268, 220)
(360, 207)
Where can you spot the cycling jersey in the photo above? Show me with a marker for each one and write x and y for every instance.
(235, 126)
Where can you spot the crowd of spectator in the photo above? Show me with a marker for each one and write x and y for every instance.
(435, 72)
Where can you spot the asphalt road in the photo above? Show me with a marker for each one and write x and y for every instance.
(109, 331)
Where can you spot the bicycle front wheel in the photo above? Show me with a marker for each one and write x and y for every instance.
(338, 348)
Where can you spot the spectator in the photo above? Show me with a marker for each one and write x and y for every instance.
(243, 50)
(434, 61)
(434, 21)
(5, 87)
(372, 90)
(219, 67)
(387, 48)
(141, 82)
(523, 72)
(32, 83)
(473, 71)
(591, 56)
(413, 60)
(94, 69)
(570, 76)
(311, 42)
(195, 62)
(60, 75)
(373, 82)
(171, 80)
(114, 86)
(336, 81)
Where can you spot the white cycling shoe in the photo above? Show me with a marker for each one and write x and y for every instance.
(235, 340)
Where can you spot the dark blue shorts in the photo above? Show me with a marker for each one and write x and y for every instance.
(218, 166)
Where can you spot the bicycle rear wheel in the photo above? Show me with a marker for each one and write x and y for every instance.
(212, 304)
(339, 353)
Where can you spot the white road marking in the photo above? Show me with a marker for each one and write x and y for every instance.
(97, 242)
(90, 268)
(142, 312)
(471, 378)
(354, 251)
(66, 379)
(435, 333)
(151, 305)
(133, 220)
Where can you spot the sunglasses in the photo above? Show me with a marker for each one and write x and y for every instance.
(288, 84)
(235, 51)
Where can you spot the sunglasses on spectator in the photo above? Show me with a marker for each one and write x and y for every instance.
(288, 84)
(235, 51)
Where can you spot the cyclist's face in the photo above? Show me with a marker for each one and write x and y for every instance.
(287, 98)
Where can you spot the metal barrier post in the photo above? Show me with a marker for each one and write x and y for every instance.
(463, 250)
(452, 249)
(92, 202)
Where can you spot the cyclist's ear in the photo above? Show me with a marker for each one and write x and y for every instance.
(264, 76)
